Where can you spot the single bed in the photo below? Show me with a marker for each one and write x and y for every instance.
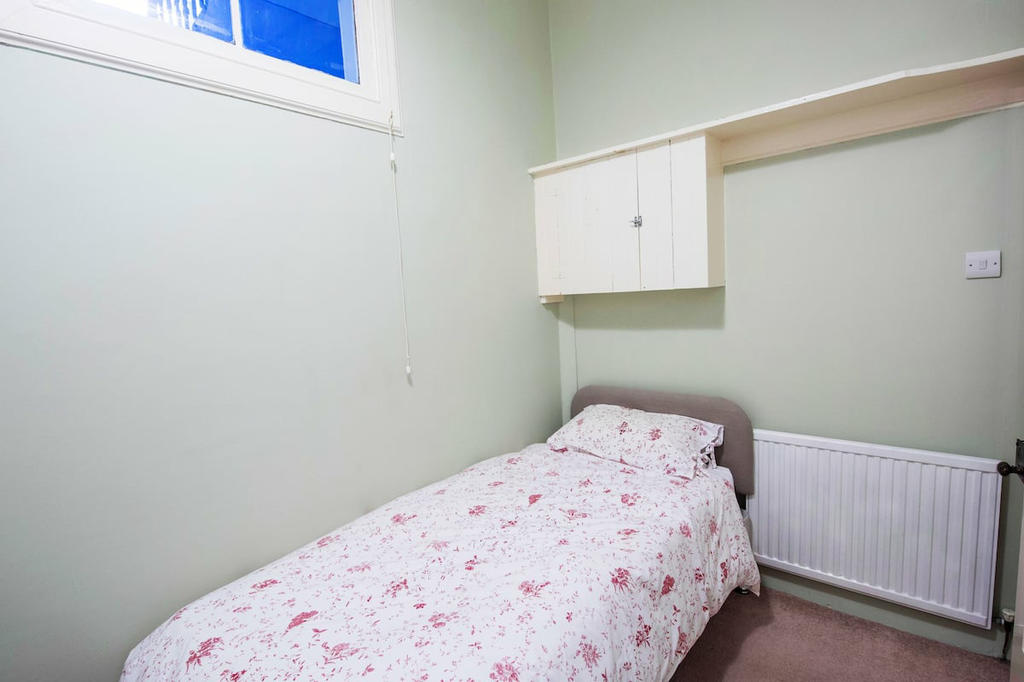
(538, 565)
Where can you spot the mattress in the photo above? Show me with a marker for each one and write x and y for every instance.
(534, 565)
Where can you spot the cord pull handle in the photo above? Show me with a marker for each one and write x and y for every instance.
(401, 256)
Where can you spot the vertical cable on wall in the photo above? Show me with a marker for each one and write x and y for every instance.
(401, 254)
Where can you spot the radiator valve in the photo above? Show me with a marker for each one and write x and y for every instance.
(1007, 616)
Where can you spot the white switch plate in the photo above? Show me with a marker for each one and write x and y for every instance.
(978, 264)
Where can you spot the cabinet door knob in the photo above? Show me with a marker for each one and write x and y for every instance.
(637, 221)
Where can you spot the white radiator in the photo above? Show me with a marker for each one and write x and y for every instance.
(909, 526)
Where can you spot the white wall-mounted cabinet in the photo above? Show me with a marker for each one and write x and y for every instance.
(641, 220)
(672, 183)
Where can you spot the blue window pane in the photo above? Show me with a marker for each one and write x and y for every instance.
(318, 34)
(214, 20)
(210, 17)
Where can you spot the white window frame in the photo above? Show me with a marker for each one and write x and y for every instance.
(100, 34)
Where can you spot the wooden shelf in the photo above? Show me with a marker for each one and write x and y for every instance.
(900, 100)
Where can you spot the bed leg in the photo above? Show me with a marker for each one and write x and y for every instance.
(742, 590)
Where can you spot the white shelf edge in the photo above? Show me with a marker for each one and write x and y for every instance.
(1014, 60)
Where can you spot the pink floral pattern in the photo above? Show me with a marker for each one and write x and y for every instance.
(670, 443)
(196, 656)
(582, 587)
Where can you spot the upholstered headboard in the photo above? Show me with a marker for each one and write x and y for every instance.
(737, 452)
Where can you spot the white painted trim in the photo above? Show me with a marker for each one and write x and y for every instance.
(944, 459)
(99, 34)
(899, 100)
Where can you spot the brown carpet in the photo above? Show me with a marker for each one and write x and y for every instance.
(780, 637)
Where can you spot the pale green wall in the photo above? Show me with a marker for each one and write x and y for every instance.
(845, 312)
(201, 361)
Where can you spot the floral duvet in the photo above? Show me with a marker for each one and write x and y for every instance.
(533, 566)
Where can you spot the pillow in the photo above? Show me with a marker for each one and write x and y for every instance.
(672, 443)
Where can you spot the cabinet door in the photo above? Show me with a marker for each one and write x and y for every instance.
(582, 257)
(690, 213)
(547, 191)
(654, 198)
(615, 238)
(568, 259)
(598, 244)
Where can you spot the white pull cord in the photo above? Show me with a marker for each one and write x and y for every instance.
(401, 256)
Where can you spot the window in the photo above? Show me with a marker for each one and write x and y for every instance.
(305, 32)
(212, 18)
(329, 58)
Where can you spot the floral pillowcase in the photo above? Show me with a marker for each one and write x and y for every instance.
(671, 443)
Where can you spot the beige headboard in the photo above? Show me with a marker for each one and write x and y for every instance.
(737, 452)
